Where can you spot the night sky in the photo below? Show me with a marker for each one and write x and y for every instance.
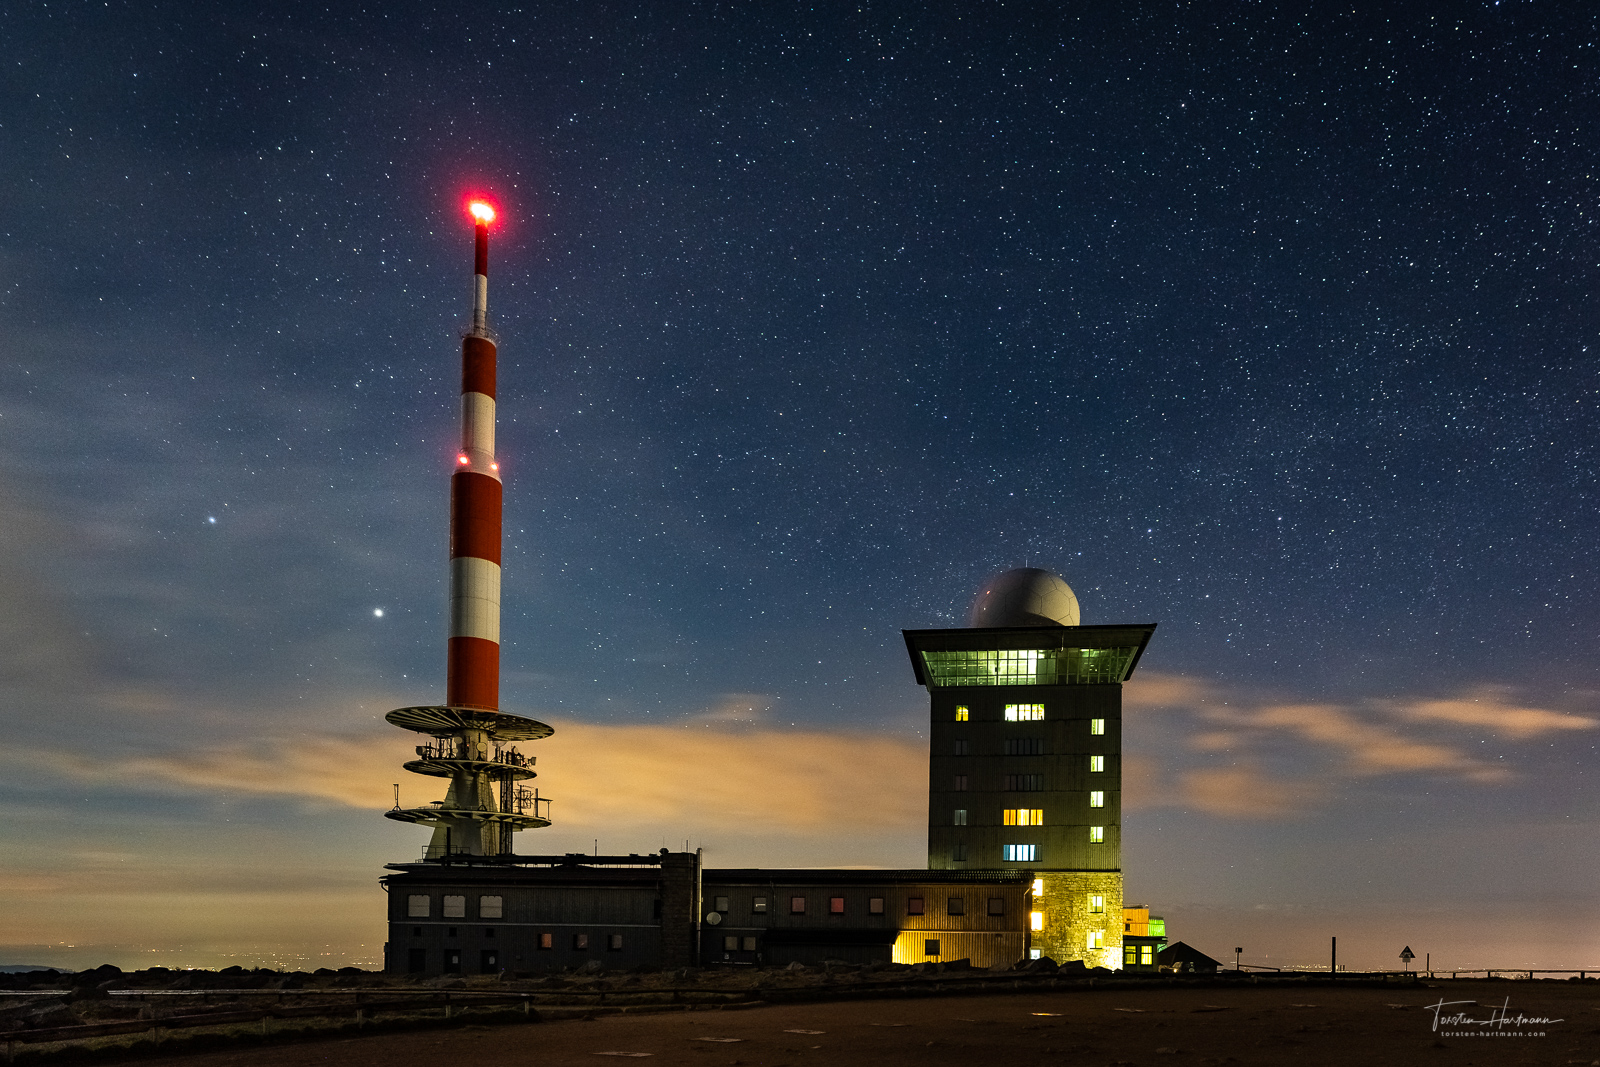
(1270, 325)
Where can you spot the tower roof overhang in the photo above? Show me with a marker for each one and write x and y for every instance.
(1027, 655)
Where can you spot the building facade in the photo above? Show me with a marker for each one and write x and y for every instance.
(1025, 757)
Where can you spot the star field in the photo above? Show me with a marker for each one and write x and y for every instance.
(1272, 325)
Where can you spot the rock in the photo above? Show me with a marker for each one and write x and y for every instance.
(958, 965)
(592, 967)
(1073, 967)
(795, 965)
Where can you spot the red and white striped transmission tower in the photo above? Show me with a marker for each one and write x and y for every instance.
(470, 732)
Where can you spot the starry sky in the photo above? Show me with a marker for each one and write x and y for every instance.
(1268, 324)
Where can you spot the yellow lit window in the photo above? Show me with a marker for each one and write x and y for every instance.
(1036, 920)
(1024, 712)
(1147, 954)
(1097, 799)
(962, 714)
(1096, 939)
(1097, 764)
(1038, 887)
(1097, 726)
(1097, 835)
(1128, 955)
(1097, 905)
(1023, 816)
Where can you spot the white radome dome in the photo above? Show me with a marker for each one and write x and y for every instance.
(1025, 596)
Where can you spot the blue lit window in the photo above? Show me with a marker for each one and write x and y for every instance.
(1020, 853)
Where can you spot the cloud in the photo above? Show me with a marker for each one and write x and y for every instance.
(1488, 710)
(1154, 690)
(1368, 748)
(1247, 793)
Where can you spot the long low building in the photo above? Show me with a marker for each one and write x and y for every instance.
(550, 913)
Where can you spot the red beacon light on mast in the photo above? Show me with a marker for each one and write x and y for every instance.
(481, 212)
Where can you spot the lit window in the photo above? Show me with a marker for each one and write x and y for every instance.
(455, 907)
(759, 905)
(417, 906)
(797, 905)
(1097, 835)
(749, 944)
(874, 905)
(913, 905)
(836, 905)
(962, 714)
(614, 943)
(1097, 905)
(1035, 953)
(1020, 853)
(1023, 816)
(721, 904)
(1097, 764)
(730, 943)
(547, 941)
(997, 905)
(961, 783)
(1096, 939)
(1147, 954)
(1097, 726)
(1129, 955)
(1097, 799)
(930, 947)
(489, 907)
(956, 906)
(1038, 887)
(960, 817)
(1036, 921)
(1024, 712)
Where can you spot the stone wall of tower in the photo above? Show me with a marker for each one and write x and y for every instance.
(1066, 902)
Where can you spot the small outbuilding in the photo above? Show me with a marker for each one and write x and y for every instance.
(1181, 959)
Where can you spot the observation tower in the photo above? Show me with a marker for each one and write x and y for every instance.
(486, 801)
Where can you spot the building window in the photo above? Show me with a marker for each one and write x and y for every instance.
(730, 943)
(961, 748)
(417, 906)
(1097, 764)
(960, 817)
(1129, 955)
(547, 941)
(613, 942)
(489, 908)
(1097, 799)
(914, 906)
(1036, 921)
(1020, 853)
(721, 905)
(1024, 746)
(874, 905)
(1024, 783)
(1097, 835)
(1097, 726)
(1038, 887)
(416, 931)
(961, 783)
(962, 714)
(955, 906)
(1097, 904)
(1147, 955)
(450, 932)
(958, 852)
(455, 907)
(759, 905)
(930, 946)
(488, 931)
(580, 942)
(836, 905)
(1024, 712)
(1023, 816)
(797, 905)
(749, 944)
(1096, 939)
(997, 905)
